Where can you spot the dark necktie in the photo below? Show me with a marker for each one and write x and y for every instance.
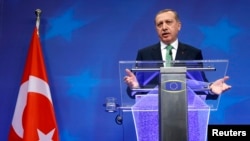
(168, 55)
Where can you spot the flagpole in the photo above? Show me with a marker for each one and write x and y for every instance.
(38, 13)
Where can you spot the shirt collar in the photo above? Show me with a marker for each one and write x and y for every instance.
(174, 45)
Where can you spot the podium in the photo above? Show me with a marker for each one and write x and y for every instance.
(173, 103)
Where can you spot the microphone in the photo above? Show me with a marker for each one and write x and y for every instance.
(170, 53)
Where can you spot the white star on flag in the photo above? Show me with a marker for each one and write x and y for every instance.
(45, 137)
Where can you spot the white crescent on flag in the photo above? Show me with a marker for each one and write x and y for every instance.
(36, 85)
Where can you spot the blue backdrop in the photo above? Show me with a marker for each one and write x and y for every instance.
(83, 41)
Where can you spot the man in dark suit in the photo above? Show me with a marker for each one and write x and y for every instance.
(168, 25)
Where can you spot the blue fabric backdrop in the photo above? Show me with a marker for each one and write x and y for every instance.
(83, 41)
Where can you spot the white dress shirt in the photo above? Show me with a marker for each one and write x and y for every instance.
(164, 50)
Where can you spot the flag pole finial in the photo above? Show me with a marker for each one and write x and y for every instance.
(38, 14)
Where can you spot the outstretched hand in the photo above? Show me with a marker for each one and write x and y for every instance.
(219, 86)
(131, 79)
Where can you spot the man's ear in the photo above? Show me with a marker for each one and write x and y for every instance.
(179, 26)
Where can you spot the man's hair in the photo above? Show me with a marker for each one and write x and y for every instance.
(169, 10)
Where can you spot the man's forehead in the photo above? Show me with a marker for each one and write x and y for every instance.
(165, 16)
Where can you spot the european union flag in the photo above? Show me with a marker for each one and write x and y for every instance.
(173, 86)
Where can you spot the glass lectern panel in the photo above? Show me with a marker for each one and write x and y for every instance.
(200, 74)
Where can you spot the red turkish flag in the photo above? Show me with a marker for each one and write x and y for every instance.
(34, 117)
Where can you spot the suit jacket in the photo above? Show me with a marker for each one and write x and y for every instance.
(184, 52)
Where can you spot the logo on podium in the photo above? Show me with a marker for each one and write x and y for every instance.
(174, 86)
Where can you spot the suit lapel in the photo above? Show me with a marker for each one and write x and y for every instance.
(156, 52)
(181, 52)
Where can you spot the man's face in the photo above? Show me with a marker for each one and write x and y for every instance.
(167, 27)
